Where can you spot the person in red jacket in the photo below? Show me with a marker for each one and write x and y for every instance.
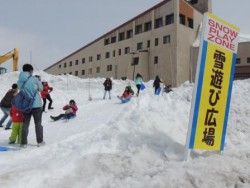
(70, 111)
(17, 124)
(127, 94)
(46, 95)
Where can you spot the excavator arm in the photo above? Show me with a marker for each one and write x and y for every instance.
(11, 55)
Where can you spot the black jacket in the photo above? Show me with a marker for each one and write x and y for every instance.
(107, 85)
(157, 82)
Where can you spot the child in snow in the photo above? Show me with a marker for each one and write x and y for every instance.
(167, 88)
(46, 95)
(157, 83)
(17, 119)
(138, 82)
(127, 94)
(70, 111)
(130, 90)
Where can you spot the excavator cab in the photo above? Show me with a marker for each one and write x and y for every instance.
(3, 70)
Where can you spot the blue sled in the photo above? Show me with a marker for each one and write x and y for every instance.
(72, 117)
(142, 86)
(3, 148)
(125, 100)
(158, 91)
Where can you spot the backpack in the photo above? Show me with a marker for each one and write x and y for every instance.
(22, 101)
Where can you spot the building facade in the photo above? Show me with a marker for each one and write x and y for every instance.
(157, 42)
(242, 65)
(242, 68)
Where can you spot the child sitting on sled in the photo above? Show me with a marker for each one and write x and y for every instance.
(127, 94)
(70, 111)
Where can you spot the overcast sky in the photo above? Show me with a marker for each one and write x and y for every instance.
(46, 31)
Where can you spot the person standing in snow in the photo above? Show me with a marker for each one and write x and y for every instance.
(157, 83)
(70, 111)
(138, 82)
(31, 88)
(107, 87)
(46, 95)
(17, 119)
(5, 105)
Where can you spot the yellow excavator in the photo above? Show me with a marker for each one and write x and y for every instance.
(14, 54)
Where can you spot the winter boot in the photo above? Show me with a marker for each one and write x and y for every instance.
(40, 144)
(55, 118)
(23, 145)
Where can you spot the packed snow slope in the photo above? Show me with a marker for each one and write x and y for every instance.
(139, 144)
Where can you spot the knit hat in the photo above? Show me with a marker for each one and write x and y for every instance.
(72, 102)
(14, 86)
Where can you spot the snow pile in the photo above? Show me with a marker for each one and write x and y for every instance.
(137, 144)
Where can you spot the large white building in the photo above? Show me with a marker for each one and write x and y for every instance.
(156, 42)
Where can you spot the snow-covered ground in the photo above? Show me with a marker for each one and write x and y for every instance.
(139, 144)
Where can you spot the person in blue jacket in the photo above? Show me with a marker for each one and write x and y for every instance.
(32, 87)
(138, 82)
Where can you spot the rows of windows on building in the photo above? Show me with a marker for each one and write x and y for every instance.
(90, 71)
(166, 40)
(238, 60)
(135, 62)
(159, 22)
(147, 26)
(109, 68)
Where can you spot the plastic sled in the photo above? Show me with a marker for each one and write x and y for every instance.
(142, 86)
(71, 117)
(158, 91)
(3, 148)
(125, 100)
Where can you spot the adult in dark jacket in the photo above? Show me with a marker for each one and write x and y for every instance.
(31, 88)
(157, 83)
(107, 87)
(5, 105)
